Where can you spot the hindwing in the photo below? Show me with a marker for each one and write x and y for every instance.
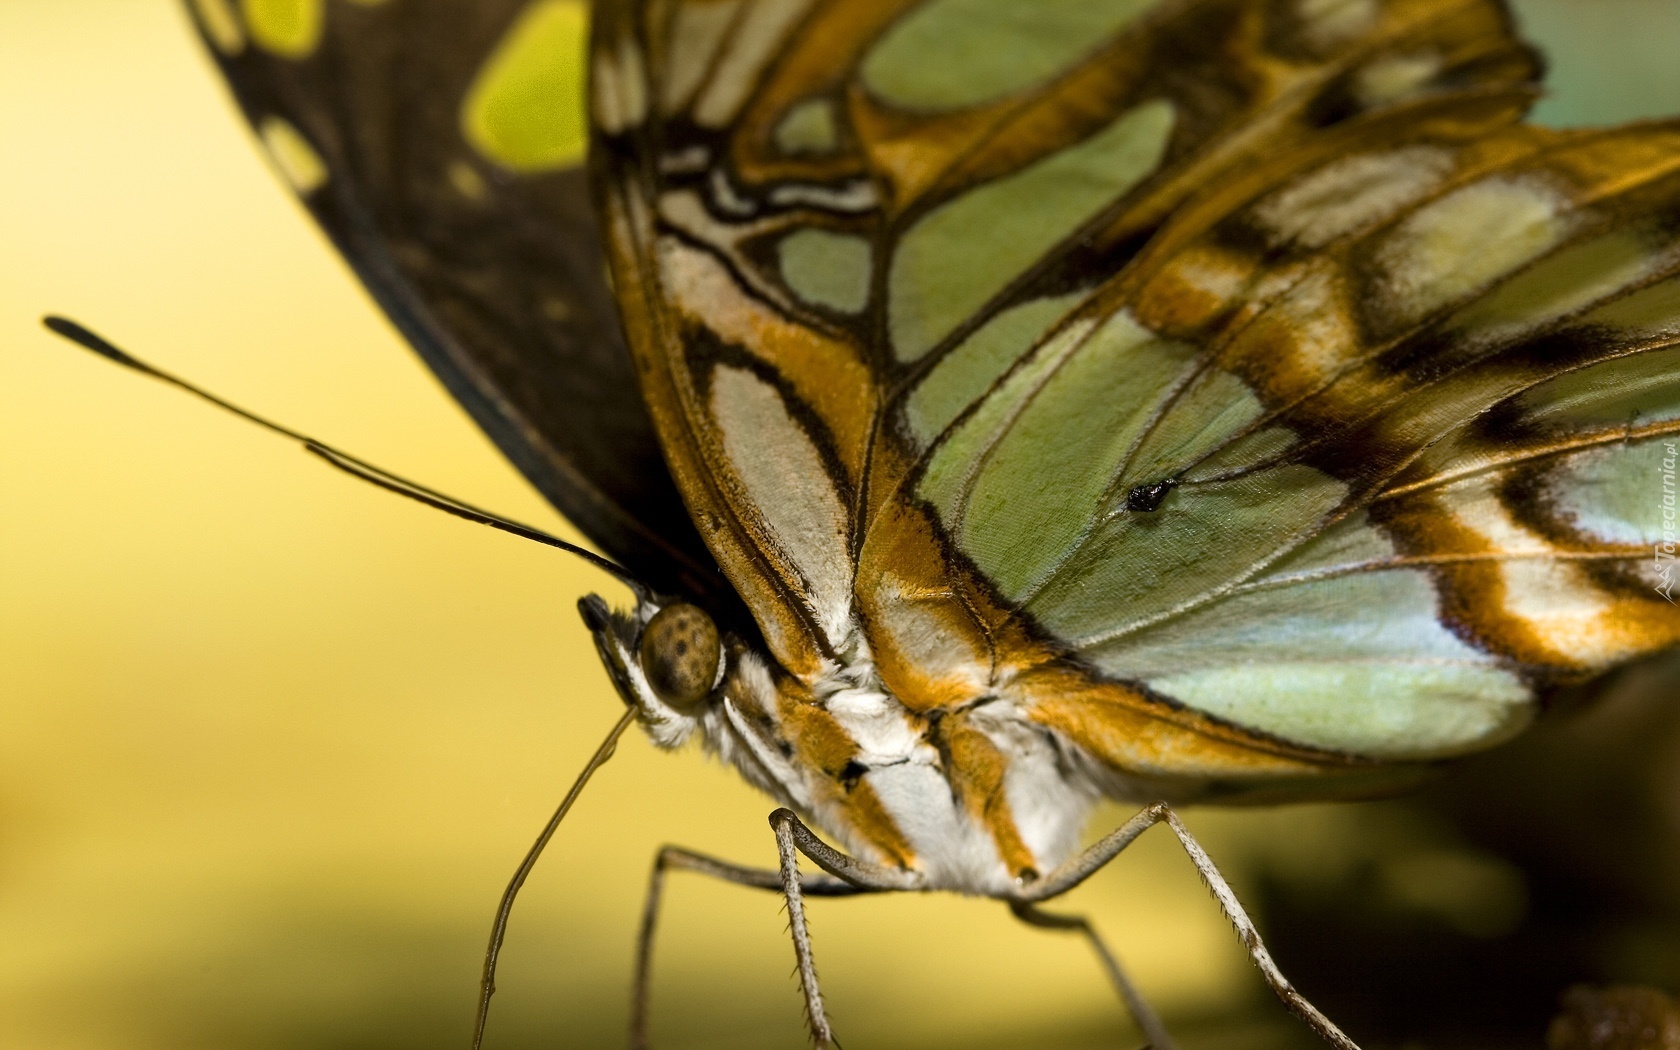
(1238, 384)
(440, 145)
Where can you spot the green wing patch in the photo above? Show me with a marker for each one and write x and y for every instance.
(1252, 353)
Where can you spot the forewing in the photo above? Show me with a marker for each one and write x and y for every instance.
(1301, 466)
(1241, 353)
(440, 145)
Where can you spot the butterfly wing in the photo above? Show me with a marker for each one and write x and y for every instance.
(440, 146)
(1415, 478)
(1216, 378)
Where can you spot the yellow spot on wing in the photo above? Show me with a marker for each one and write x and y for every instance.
(525, 109)
(288, 28)
(468, 182)
(293, 155)
(221, 25)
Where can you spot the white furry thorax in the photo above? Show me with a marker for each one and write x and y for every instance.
(742, 724)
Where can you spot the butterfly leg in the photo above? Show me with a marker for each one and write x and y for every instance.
(673, 858)
(1083, 866)
(1142, 1013)
(792, 839)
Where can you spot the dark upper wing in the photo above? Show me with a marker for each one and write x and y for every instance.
(406, 127)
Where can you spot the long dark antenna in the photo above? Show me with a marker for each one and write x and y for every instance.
(498, 930)
(344, 461)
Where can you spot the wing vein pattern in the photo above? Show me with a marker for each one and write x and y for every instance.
(1251, 363)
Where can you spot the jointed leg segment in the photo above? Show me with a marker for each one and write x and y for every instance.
(815, 1015)
(792, 839)
(1146, 1018)
(846, 876)
(1087, 863)
(673, 858)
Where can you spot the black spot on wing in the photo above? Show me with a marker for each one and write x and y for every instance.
(1147, 499)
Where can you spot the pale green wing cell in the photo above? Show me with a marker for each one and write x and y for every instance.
(1619, 393)
(826, 268)
(1133, 568)
(809, 127)
(949, 473)
(1350, 543)
(1620, 493)
(951, 54)
(1649, 313)
(964, 375)
(1607, 289)
(1330, 649)
(952, 261)
(1258, 446)
(1043, 480)
(1565, 282)
(1213, 408)
(1358, 663)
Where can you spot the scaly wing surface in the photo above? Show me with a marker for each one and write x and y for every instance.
(440, 145)
(1238, 386)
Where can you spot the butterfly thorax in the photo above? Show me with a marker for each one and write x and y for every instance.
(969, 793)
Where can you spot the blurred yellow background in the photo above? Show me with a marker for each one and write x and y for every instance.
(271, 741)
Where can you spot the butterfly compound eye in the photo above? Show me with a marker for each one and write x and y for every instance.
(679, 654)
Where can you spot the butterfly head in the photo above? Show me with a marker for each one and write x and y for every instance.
(667, 659)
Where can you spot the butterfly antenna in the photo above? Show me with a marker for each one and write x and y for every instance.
(498, 930)
(352, 465)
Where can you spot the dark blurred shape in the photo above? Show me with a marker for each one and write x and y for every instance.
(1624, 1018)
(1456, 917)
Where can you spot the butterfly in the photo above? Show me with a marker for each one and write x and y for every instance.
(1017, 405)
